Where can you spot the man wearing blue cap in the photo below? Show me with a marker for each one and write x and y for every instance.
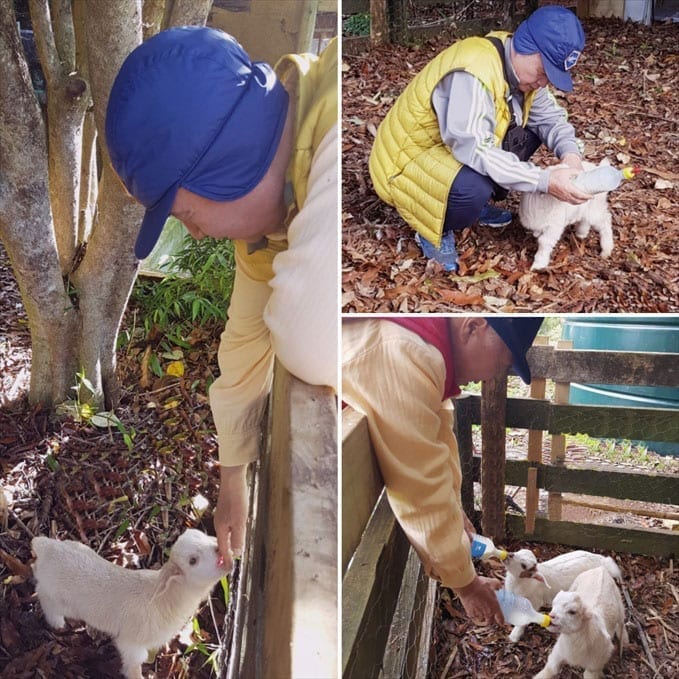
(236, 149)
(401, 372)
(463, 130)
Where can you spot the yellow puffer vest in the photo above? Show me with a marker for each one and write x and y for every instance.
(410, 166)
(312, 84)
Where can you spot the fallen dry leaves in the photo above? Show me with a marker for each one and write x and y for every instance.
(623, 107)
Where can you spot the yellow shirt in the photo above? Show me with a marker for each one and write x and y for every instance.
(255, 332)
(396, 379)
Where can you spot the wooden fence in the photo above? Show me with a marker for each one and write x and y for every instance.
(283, 621)
(391, 21)
(383, 625)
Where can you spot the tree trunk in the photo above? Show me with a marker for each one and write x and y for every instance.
(69, 230)
(67, 101)
(379, 28)
(26, 226)
(189, 12)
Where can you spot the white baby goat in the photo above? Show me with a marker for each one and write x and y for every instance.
(547, 217)
(140, 609)
(587, 618)
(540, 582)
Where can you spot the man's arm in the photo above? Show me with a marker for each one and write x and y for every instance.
(397, 383)
(466, 115)
(549, 121)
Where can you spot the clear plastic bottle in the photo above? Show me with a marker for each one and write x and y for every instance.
(483, 548)
(603, 178)
(517, 610)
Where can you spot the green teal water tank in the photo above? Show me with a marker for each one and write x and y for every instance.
(626, 333)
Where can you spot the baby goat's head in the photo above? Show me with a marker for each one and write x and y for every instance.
(196, 556)
(523, 564)
(568, 613)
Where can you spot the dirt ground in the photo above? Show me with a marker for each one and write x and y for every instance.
(70, 480)
(623, 107)
(462, 650)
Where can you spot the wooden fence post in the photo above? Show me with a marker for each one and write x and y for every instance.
(291, 588)
(379, 27)
(493, 415)
(561, 394)
(537, 390)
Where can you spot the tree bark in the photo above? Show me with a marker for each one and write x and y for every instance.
(189, 12)
(67, 101)
(67, 223)
(26, 226)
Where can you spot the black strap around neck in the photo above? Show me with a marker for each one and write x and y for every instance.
(499, 46)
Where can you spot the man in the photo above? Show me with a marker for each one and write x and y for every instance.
(464, 128)
(400, 373)
(233, 149)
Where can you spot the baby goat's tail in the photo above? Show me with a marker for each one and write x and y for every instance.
(612, 567)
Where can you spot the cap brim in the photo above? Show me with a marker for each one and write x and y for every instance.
(560, 79)
(153, 223)
(521, 368)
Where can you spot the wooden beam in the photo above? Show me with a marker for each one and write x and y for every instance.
(493, 436)
(361, 481)
(379, 26)
(369, 594)
(592, 480)
(605, 367)
(292, 557)
(652, 424)
(409, 643)
(464, 405)
(592, 536)
(537, 391)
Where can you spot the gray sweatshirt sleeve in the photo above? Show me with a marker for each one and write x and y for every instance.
(549, 121)
(466, 115)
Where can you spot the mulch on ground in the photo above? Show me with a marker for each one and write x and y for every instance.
(463, 650)
(70, 480)
(623, 107)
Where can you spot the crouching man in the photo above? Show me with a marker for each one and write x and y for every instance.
(401, 373)
(464, 128)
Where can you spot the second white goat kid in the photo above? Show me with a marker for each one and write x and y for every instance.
(547, 218)
(587, 618)
(139, 609)
(540, 582)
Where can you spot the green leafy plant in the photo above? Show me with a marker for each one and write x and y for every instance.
(357, 24)
(198, 290)
(81, 411)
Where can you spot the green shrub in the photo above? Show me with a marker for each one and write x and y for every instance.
(198, 293)
(357, 24)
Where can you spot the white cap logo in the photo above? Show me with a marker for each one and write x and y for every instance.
(571, 60)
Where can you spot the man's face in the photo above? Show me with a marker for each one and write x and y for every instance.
(530, 71)
(480, 354)
(256, 214)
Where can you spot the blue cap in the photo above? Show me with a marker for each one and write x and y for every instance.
(189, 109)
(518, 334)
(556, 33)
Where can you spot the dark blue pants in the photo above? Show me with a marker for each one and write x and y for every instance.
(468, 194)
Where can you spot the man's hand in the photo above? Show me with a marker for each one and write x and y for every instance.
(479, 600)
(573, 161)
(469, 527)
(561, 187)
(231, 512)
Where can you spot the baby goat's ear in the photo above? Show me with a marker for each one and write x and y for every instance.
(171, 574)
(604, 161)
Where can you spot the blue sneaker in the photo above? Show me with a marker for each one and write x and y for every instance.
(494, 216)
(446, 255)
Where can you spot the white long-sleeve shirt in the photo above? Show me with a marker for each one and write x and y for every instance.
(466, 114)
